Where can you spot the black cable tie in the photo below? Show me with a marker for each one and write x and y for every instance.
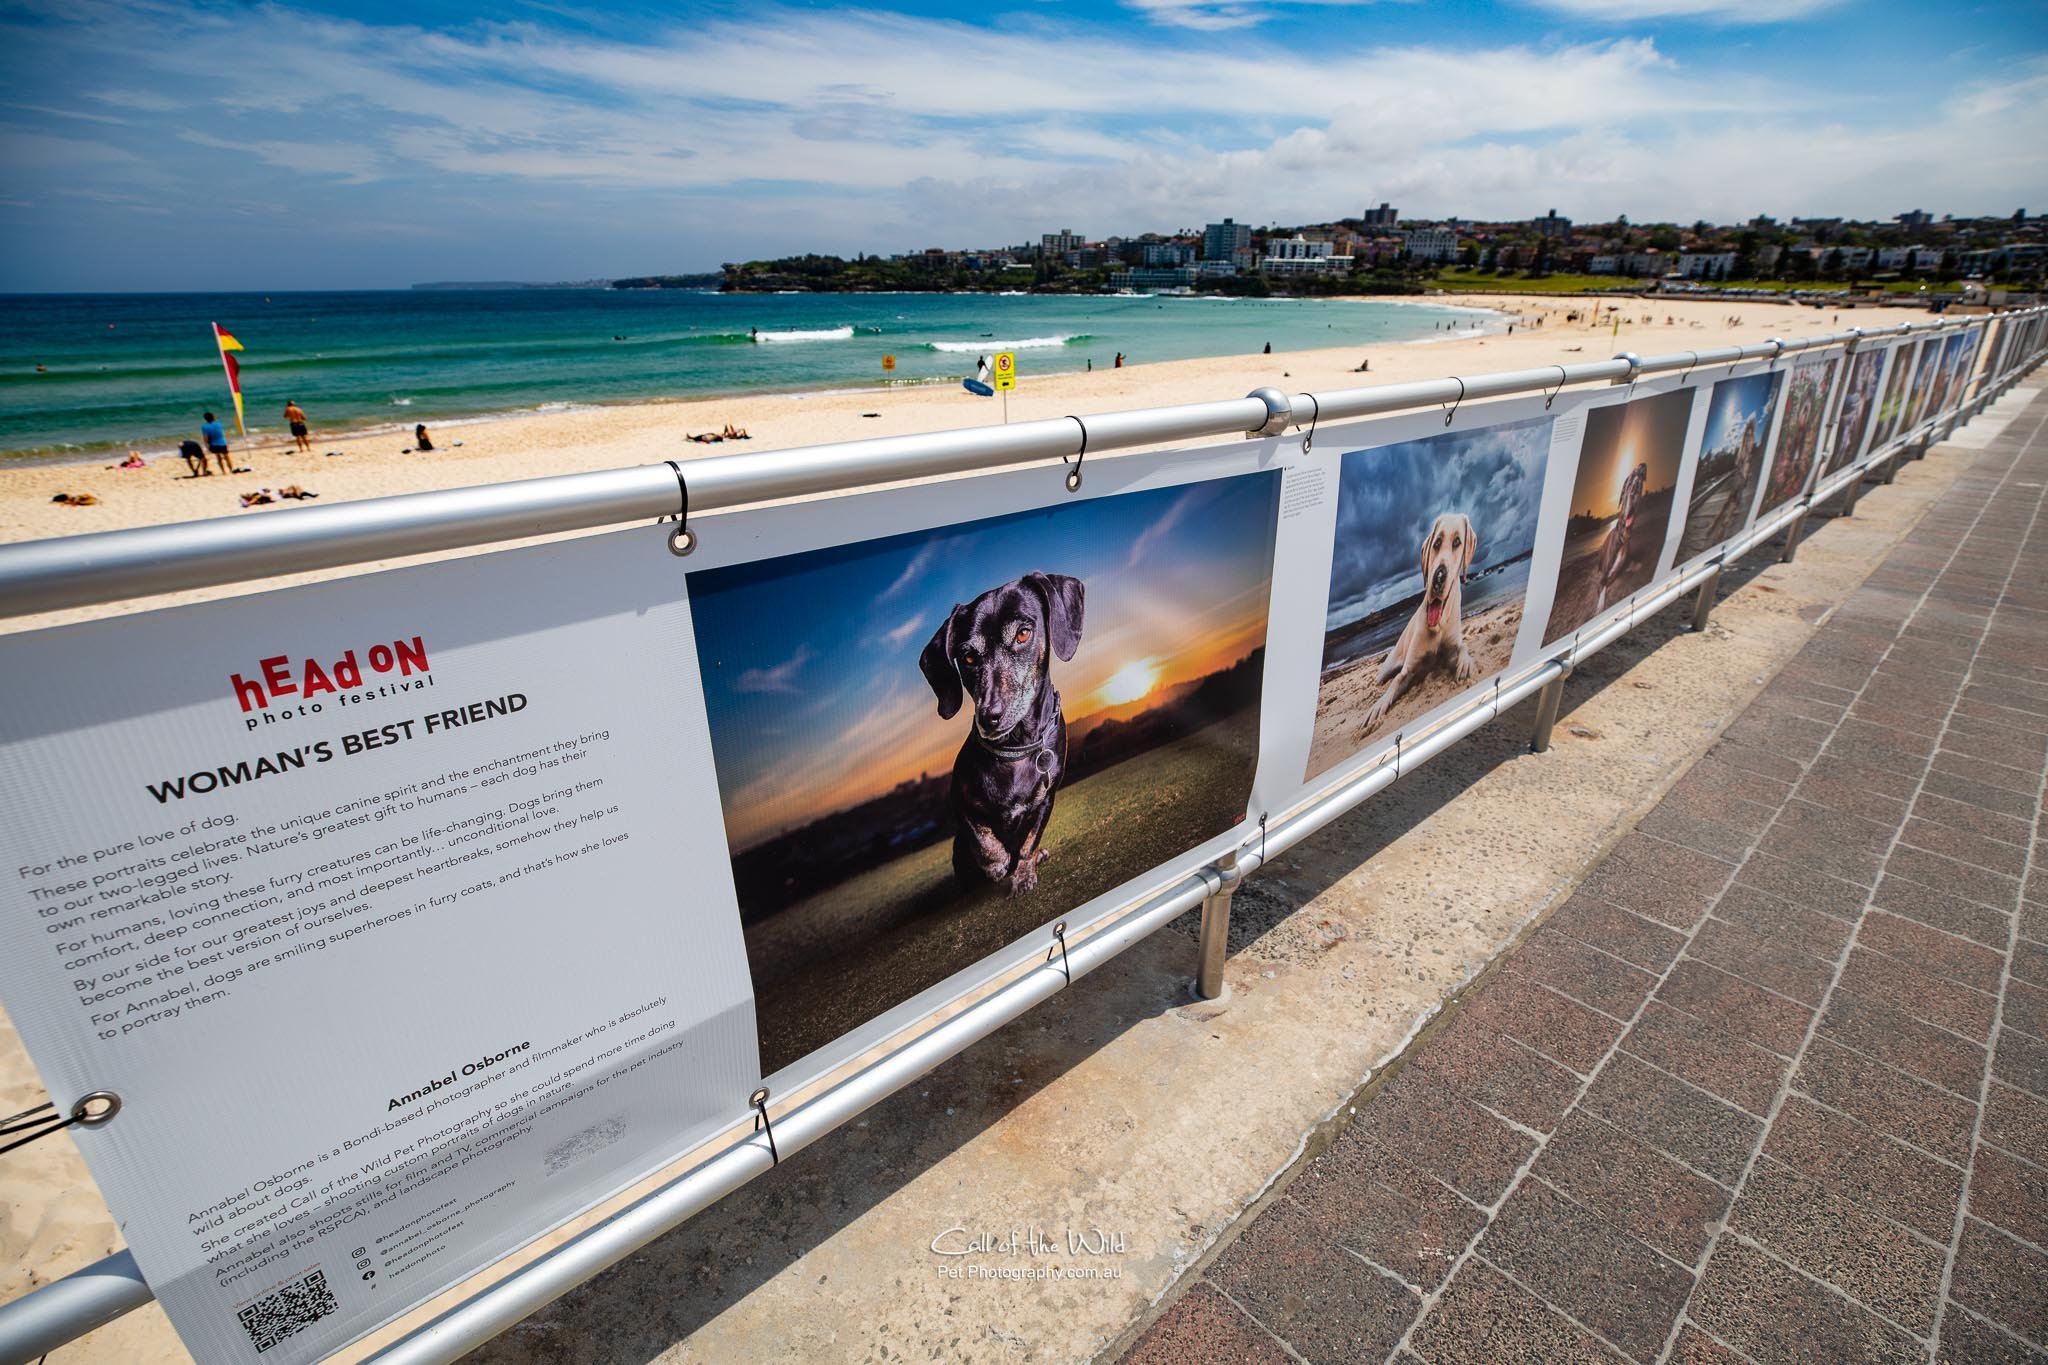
(1315, 414)
(1262, 838)
(759, 1101)
(1551, 397)
(39, 1121)
(1452, 411)
(1074, 465)
(682, 540)
(1691, 365)
(1059, 933)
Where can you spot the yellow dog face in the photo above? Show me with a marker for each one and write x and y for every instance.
(1446, 556)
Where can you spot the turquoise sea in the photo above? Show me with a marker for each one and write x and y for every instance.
(121, 370)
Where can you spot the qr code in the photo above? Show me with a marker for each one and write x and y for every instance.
(287, 1310)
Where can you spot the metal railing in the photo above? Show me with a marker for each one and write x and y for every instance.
(114, 566)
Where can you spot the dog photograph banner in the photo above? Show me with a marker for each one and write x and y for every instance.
(1959, 359)
(1926, 363)
(1734, 452)
(1891, 408)
(939, 724)
(305, 878)
(1433, 543)
(1857, 410)
(1623, 492)
(1807, 389)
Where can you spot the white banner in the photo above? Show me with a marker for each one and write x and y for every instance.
(374, 904)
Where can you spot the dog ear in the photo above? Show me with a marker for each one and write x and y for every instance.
(1471, 546)
(936, 662)
(1065, 605)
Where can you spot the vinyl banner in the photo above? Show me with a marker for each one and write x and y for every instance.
(1926, 365)
(1892, 404)
(1856, 412)
(1809, 387)
(1618, 517)
(1720, 489)
(1432, 542)
(946, 717)
(373, 903)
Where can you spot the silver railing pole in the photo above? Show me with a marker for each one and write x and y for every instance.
(1710, 591)
(1547, 702)
(1215, 942)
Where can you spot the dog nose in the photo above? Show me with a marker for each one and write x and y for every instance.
(1437, 578)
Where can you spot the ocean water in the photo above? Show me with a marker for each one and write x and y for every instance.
(123, 370)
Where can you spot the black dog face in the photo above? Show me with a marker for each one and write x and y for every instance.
(995, 649)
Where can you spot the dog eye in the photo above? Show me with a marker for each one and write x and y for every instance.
(1023, 634)
(968, 657)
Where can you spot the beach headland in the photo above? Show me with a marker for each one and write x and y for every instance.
(531, 445)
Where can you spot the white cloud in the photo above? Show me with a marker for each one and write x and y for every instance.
(776, 678)
(1638, 12)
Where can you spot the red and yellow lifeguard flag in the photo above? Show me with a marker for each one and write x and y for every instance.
(226, 342)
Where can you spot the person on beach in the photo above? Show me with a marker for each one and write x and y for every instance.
(194, 456)
(420, 439)
(1119, 361)
(1269, 348)
(215, 437)
(296, 415)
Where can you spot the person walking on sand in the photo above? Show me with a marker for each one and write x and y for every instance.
(215, 438)
(296, 416)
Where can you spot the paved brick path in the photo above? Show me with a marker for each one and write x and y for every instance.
(1773, 1084)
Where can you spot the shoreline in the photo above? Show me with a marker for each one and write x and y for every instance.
(527, 444)
(166, 444)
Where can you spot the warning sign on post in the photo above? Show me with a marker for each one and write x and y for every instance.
(370, 900)
(1006, 370)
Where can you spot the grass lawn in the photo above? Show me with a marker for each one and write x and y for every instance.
(830, 963)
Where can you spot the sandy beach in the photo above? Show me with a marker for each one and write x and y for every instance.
(55, 1222)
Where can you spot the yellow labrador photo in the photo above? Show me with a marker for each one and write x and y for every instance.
(1435, 635)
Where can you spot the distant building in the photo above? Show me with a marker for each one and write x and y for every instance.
(1297, 248)
(1382, 217)
(1550, 225)
(1913, 220)
(1604, 265)
(1707, 265)
(1057, 244)
(1158, 254)
(1433, 244)
(1222, 241)
(1087, 258)
(1142, 281)
(1215, 270)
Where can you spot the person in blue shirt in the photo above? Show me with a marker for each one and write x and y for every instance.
(215, 438)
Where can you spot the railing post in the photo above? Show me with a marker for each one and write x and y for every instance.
(1792, 530)
(1215, 941)
(1548, 699)
(1703, 605)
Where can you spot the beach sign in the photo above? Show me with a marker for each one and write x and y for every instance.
(888, 362)
(1006, 370)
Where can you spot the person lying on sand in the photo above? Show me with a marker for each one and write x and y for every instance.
(134, 461)
(712, 438)
(76, 500)
(296, 493)
(261, 497)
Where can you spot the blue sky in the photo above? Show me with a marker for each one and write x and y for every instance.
(207, 146)
(810, 662)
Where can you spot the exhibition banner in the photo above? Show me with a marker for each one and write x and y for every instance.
(947, 717)
(1892, 405)
(1433, 541)
(1809, 387)
(1856, 411)
(1720, 489)
(373, 902)
(1926, 365)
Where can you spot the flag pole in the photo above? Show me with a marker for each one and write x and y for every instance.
(228, 367)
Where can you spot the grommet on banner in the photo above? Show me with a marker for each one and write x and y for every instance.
(1551, 396)
(91, 1111)
(758, 1101)
(1074, 472)
(1315, 414)
(1059, 934)
(1452, 410)
(682, 540)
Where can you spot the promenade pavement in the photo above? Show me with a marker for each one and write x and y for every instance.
(1772, 1084)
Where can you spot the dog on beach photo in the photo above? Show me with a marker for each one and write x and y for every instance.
(1741, 413)
(1434, 639)
(1615, 556)
(1428, 573)
(997, 652)
(1621, 505)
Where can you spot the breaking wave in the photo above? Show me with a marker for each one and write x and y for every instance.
(1027, 344)
(827, 334)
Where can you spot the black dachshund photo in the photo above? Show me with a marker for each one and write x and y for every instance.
(931, 745)
(997, 652)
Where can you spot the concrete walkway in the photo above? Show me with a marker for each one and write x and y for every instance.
(1772, 1084)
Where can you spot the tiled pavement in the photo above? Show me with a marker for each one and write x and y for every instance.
(1773, 1084)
